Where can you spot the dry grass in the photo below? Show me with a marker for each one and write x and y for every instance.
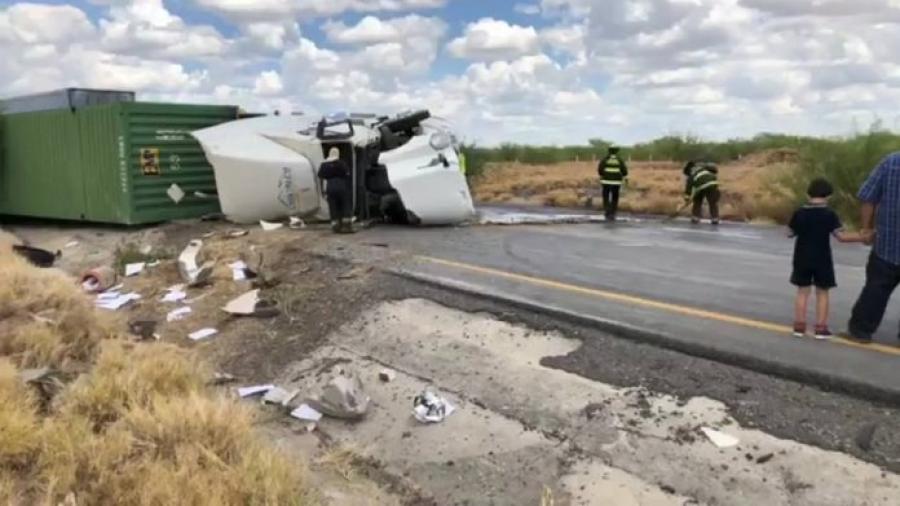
(138, 425)
(748, 186)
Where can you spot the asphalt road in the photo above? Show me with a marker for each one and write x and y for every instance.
(717, 292)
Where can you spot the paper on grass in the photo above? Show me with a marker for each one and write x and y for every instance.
(238, 270)
(174, 296)
(117, 302)
(134, 269)
(306, 413)
(254, 390)
(202, 334)
(177, 314)
(719, 438)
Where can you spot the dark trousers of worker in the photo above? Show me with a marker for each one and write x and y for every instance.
(611, 200)
(882, 278)
(340, 207)
(711, 196)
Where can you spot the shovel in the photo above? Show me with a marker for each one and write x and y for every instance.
(677, 212)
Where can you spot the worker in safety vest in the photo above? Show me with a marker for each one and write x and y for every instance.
(613, 174)
(702, 183)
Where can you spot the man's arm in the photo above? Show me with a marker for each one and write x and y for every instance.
(867, 220)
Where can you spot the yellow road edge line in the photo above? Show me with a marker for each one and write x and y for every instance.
(650, 303)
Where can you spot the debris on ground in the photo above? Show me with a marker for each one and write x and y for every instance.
(220, 378)
(174, 293)
(249, 304)
(386, 375)
(343, 397)
(36, 256)
(296, 223)
(237, 233)
(280, 396)
(306, 413)
(238, 270)
(192, 273)
(865, 436)
(765, 458)
(202, 334)
(719, 438)
(250, 391)
(178, 314)
(429, 407)
(113, 300)
(98, 279)
(134, 269)
(269, 226)
(71, 244)
(144, 329)
(257, 269)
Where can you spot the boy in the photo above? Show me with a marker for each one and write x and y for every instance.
(812, 225)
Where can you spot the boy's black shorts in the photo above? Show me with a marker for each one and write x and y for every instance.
(820, 276)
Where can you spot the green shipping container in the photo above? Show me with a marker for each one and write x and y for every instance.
(127, 163)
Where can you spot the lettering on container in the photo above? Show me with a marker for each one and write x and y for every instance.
(175, 162)
(123, 166)
(171, 135)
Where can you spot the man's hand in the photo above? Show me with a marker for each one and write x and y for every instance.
(868, 236)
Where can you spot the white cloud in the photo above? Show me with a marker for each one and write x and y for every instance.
(268, 84)
(276, 9)
(492, 39)
(40, 23)
(527, 9)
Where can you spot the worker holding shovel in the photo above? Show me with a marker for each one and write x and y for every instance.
(613, 173)
(702, 183)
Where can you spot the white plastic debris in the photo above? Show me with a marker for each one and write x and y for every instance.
(244, 305)
(269, 226)
(280, 396)
(238, 270)
(192, 273)
(134, 269)
(296, 223)
(719, 438)
(238, 233)
(429, 407)
(306, 413)
(71, 244)
(153, 263)
(343, 397)
(202, 334)
(178, 314)
(175, 193)
(254, 390)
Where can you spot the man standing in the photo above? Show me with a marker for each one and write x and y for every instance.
(338, 191)
(880, 197)
(613, 173)
(702, 183)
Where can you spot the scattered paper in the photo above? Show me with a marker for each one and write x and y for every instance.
(190, 271)
(429, 407)
(269, 226)
(175, 193)
(220, 378)
(110, 295)
(719, 438)
(306, 413)
(208, 235)
(174, 296)
(117, 302)
(245, 305)
(178, 314)
(71, 244)
(202, 334)
(153, 263)
(296, 223)
(134, 269)
(254, 390)
(116, 288)
(239, 270)
(238, 233)
(280, 396)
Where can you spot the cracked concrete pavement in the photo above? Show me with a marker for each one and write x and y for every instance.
(521, 426)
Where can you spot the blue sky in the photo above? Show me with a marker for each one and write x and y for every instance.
(566, 71)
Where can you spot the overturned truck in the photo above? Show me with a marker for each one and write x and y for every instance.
(405, 169)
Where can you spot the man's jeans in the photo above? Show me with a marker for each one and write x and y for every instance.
(881, 279)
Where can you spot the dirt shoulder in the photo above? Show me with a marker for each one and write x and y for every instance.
(749, 186)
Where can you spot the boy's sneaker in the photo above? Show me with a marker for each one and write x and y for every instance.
(799, 329)
(715, 222)
(822, 333)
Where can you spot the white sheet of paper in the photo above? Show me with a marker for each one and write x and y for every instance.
(117, 303)
(178, 314)
(202, 334)
(134, 269)
(115, 288)
(269, 226)
(254, 390)
(71, 244)
(719, 438)
(174, 296)
(237, 270)
(110, 295)
(306, 413)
